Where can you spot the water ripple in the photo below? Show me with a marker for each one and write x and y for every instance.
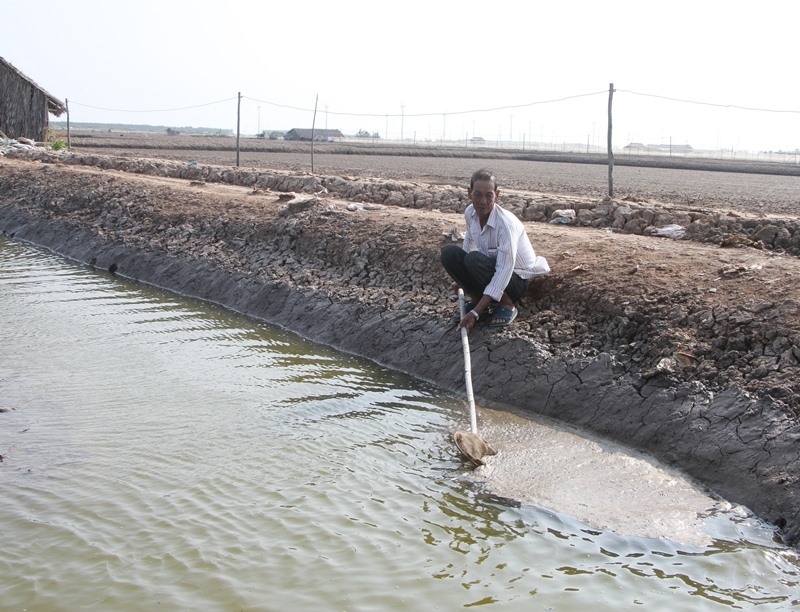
(163, 452)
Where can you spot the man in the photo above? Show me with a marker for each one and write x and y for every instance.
(497, 258)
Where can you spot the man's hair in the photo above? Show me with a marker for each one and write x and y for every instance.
(482, 175)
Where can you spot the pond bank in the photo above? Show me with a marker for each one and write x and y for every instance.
(609, 351)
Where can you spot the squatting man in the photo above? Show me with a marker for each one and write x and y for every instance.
(497, 259)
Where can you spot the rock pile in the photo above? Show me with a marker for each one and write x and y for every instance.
(13, 146)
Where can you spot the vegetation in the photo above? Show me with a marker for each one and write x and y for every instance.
(54, 140)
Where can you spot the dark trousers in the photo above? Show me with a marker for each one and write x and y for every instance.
(473, 271)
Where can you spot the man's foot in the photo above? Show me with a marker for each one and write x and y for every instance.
(503, 315)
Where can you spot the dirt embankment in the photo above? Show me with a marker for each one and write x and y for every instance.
(686, 349)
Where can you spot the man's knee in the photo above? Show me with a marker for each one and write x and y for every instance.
(474, 258)
(451, 253)
(479, 264)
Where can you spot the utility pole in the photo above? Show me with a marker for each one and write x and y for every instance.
(69, 139)
(238, 123)
(313, 125)
(402, 119)
(610, 150)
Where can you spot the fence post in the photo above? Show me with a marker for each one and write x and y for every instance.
(610, 149)
(313, 126)
(238, 123)
(69, 140)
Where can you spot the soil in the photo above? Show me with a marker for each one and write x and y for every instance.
(690, 327)
(754, 187)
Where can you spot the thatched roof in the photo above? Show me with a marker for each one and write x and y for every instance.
(54, 105)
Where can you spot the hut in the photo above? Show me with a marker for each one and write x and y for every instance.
(24, 106)
(317, 135)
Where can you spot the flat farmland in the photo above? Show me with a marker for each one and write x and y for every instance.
(761, 188)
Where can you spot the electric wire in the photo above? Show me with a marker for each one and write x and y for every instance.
(748, 108)
(160, 110)
(432, 114)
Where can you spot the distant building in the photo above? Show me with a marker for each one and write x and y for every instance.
(24, 106)
(316, 135)
(638, 147)
(635, 147)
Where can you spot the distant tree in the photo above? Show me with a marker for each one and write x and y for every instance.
(363, 134)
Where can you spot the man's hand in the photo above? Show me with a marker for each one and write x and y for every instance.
(468, 322)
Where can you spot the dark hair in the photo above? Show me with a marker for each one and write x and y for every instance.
(482, 175)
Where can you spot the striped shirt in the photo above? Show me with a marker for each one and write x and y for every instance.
(504, 238)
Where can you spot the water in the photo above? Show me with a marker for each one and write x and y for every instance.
(164, 452)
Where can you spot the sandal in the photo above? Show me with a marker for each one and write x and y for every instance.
(503, 316)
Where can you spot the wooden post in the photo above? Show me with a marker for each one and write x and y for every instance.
(313, 124)
(238, 124)
(610, 150)
(69, 140)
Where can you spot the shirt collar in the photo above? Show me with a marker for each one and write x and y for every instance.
(491, 221)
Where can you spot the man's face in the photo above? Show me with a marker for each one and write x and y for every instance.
(483, 196)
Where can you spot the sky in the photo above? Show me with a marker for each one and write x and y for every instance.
(707, 73)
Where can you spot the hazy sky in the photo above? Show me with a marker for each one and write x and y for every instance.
(417, 68)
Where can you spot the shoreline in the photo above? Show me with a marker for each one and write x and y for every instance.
(357, 269)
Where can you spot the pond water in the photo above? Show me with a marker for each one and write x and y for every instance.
(159, 451)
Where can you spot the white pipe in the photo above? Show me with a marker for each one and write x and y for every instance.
(473, 418)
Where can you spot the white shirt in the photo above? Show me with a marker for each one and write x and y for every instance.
(504, 238)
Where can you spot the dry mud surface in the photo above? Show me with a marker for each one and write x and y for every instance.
(762, 188)
(688, 350)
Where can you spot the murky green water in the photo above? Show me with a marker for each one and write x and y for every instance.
(164, 453)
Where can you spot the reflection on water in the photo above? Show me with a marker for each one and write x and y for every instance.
(162, 452)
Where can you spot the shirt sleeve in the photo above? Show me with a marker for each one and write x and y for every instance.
(467, 246)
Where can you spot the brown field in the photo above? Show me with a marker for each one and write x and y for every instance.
(752, 187)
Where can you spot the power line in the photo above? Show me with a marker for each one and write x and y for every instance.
(441, 113)
(437, 114)
(749, 108)
(161, 110)
(297, 108)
